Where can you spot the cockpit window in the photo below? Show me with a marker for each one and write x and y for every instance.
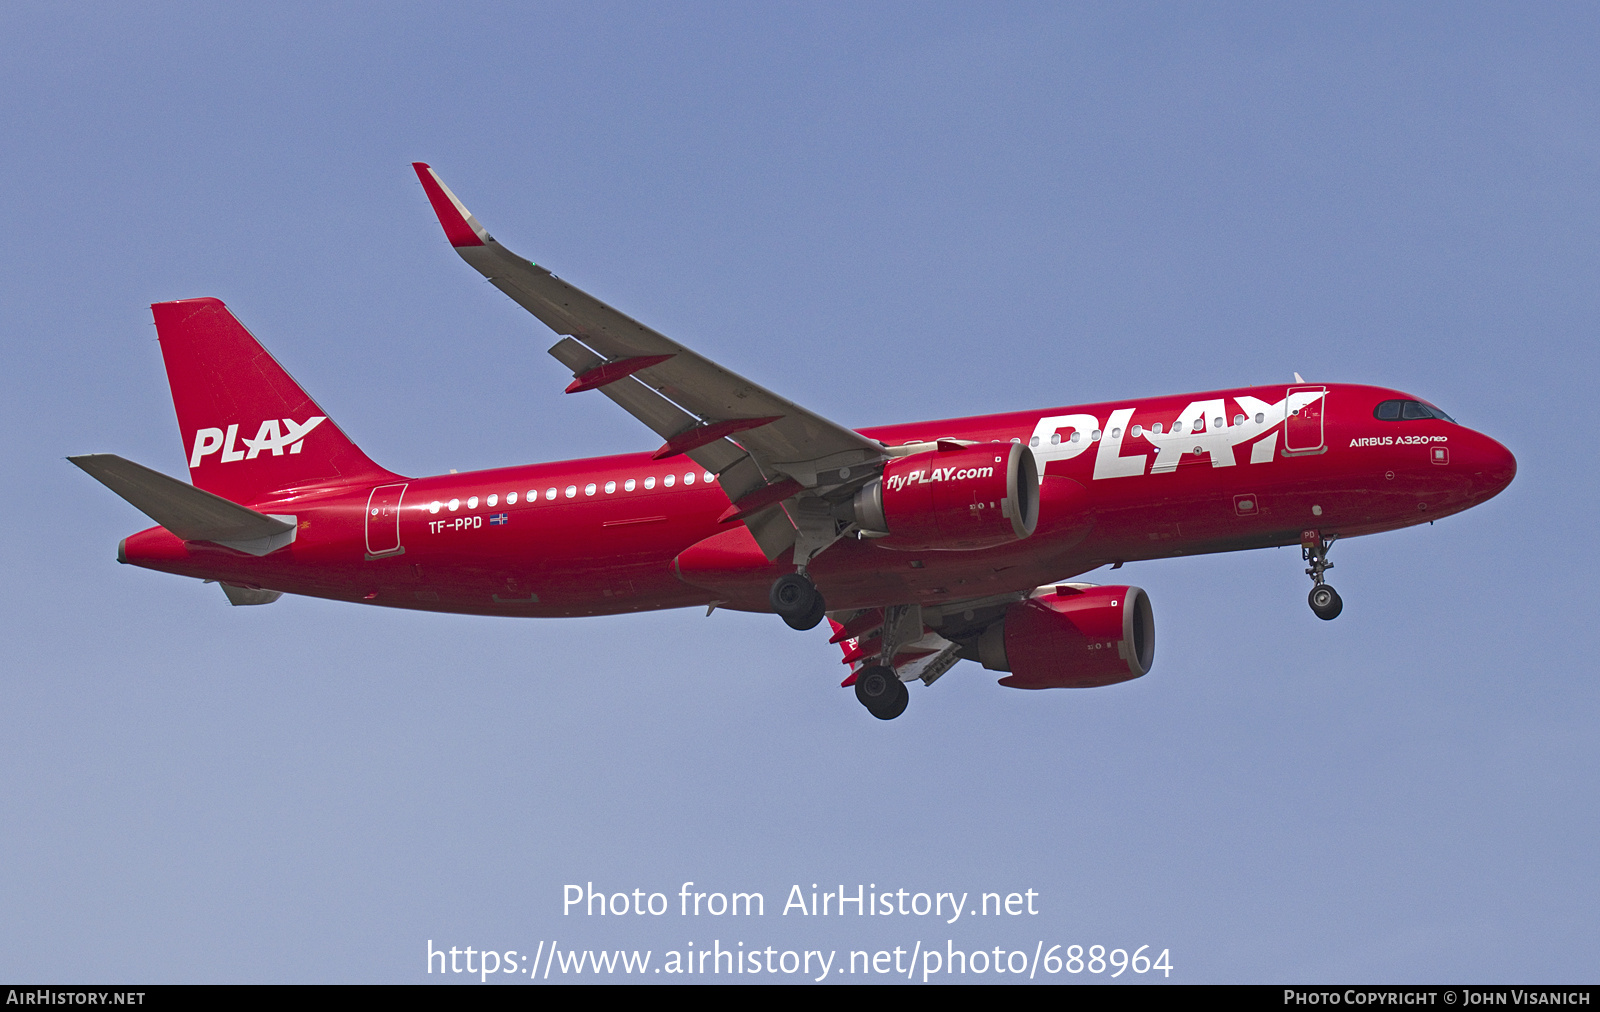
(1439, 414)
(1390, 411)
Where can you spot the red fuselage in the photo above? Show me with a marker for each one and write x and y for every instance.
(1227, 470)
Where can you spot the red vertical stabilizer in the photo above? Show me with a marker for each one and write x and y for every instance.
(248, 429)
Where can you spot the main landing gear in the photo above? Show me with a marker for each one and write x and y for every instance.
(797, 601)
(1324, 600)
(881, 691)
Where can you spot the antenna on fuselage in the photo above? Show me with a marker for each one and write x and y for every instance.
(1297, 378)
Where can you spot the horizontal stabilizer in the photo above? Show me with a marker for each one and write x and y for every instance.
(191, 513)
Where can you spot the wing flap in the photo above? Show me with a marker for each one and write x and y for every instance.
(773, 530)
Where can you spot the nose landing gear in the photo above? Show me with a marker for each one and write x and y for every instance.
(1324, 600)
(797, 601)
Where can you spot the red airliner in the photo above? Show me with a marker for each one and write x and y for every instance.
(929, 542)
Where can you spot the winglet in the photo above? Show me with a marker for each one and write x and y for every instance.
(460, 227)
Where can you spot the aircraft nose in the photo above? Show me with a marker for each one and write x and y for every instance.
(1493, 465)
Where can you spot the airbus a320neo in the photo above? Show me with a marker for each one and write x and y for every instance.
(922, 544)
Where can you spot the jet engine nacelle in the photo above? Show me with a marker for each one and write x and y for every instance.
(956, 497)
(1072, 637)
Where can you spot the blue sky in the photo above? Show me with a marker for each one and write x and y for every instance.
(886, 213)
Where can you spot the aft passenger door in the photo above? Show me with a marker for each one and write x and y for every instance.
(383, 521)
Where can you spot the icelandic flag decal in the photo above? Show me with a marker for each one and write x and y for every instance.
(499, 519)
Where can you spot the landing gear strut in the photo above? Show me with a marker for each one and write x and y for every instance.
(881, 691)
(1324, 600)
(797, 601)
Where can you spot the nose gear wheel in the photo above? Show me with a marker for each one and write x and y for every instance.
(1324, 600)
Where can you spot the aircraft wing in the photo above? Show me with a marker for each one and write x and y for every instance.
(764, 449)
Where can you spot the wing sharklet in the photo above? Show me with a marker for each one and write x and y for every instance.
(460, 227)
